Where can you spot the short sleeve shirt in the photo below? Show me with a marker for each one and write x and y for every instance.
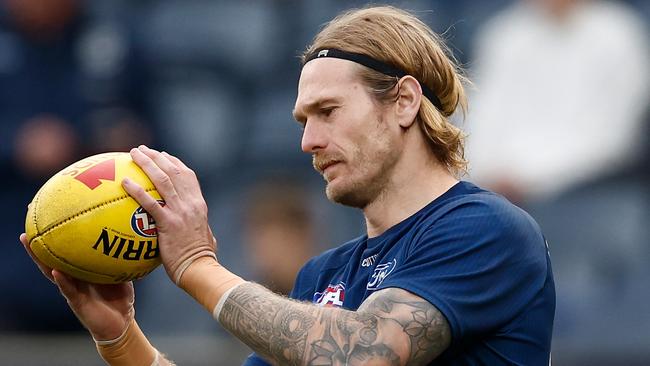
(480, 260)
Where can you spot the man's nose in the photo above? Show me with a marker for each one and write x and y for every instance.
(314, 137)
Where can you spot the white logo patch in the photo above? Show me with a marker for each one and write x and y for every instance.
(379, 275)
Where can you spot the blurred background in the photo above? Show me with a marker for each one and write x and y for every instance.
(558, 123)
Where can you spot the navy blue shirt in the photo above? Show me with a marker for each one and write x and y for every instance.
(480, 260)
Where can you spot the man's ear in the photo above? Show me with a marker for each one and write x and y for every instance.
(408, 100)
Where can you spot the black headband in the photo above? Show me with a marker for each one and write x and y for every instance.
(376, 65)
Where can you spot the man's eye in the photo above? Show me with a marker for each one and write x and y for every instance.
(327, 111)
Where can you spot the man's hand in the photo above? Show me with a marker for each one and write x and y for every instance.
(182, 223)
(105, 310)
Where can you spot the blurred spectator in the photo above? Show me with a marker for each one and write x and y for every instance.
(557, 124)
(278, 232)
(60, 71)
(43, 145)
(71, 85)
(562, 86)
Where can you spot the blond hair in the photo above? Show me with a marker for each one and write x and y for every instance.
(400, 39)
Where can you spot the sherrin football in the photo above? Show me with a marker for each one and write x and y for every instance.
(83, 223)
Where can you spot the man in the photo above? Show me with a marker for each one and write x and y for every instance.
(447, 274)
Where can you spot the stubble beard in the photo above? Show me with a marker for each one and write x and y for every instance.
(367, 179)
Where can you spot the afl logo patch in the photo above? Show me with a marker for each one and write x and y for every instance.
(333, 296)
(143, 224)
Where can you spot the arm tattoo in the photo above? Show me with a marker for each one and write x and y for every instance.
(392, 327)
(426, 328)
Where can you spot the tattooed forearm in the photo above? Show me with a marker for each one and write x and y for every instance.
(392, 327)
(273, 326)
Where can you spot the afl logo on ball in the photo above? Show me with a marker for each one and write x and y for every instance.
(142, 223)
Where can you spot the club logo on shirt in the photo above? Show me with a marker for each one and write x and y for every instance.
(333, 296)
(379, 275)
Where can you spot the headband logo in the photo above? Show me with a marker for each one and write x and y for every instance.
(322, 53)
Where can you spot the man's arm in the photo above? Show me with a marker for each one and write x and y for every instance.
(392, 327)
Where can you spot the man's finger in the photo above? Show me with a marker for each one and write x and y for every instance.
(145, 200)
(183, 178)
(178, 162)
(67, 286)
(159, 178)
(47, 271)
(172, 170)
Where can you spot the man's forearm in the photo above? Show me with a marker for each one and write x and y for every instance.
(287, 332)
(392, 326)
(274, 327)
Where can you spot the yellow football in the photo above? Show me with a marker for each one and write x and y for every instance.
(83, 223)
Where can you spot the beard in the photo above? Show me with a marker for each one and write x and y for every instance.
(366, 175)
(355, 194)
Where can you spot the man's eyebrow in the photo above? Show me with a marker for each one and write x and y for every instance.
(312, 106)
(297, 116)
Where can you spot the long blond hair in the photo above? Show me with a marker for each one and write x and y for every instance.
(400, 39)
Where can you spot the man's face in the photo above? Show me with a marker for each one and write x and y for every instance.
(350, 135)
